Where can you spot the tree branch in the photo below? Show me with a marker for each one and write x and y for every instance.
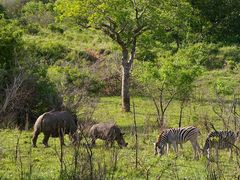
(107, 29)
(169, 101)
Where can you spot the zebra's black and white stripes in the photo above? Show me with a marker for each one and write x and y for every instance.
(177, 136)
(219, 140)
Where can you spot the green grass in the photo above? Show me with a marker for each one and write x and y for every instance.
(46, 164)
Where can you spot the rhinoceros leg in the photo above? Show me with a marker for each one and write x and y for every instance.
(106, 144)
(111, 143)
(45, 139)
(93, 141)
(35, 136)
(61, 136)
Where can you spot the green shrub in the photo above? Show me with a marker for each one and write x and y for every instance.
(1, 9)
(49, 51)
(10, 42)
(56, 29)
(33, 29)
(224, 86)
(230, 53)
(211, 56)
(38, 13)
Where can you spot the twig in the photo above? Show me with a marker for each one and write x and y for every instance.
(136, 136)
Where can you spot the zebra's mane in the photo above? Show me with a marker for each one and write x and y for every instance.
(160, 136)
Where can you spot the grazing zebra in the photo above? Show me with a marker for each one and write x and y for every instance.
(177, 136)
(220, 140)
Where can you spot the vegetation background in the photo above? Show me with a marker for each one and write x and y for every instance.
(184, 70)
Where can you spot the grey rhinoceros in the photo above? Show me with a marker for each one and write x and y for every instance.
(108, 132)
(55, 124)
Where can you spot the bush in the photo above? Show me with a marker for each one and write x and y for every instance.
(38, 13)
(49, 52)
(33, 29)
(12, 8)
(230, 53)
(76, 86)
(56, 29)
(10, 43)
(211, 56)
(2, 10)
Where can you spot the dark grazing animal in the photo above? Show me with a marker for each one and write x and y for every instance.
(108, 132)
(84, 127)
(219, 140)
(177, 136)
(55, 124)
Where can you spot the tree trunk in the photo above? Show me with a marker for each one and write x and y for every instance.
(127, 62)
(161, 121)
(125, 87)
(181, 114)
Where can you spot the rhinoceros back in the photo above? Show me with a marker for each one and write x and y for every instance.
(54, 121)
(105, 131)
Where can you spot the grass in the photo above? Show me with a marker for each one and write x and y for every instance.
(45, 163)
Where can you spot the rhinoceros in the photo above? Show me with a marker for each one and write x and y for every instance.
(55, 124)
(108, 132)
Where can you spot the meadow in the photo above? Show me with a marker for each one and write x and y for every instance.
(18, 160)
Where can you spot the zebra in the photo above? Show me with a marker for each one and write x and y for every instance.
(177, 136)
(220, 140)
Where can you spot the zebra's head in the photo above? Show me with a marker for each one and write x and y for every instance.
(158, 148)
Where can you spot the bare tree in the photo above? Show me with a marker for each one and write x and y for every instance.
(11, 91)
(162, 103)
(226, 110)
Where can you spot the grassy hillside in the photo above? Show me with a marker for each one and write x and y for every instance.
(19, 160)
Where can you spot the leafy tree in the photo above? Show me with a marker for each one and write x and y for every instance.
(166, 80)
(124, 22)
(220, 19)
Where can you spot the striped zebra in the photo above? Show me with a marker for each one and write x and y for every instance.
(220, 140)
(177, 136)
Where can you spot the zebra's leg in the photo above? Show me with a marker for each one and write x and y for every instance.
(208, 153)
(194, 146)
(168, 147)
(181, 146)
(175, 147)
